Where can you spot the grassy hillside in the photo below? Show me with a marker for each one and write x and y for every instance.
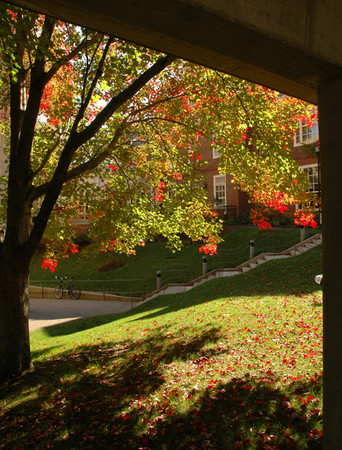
(234, 363)
(136, 275)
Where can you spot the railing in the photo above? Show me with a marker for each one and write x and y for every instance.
(133, 287)
(270, 242)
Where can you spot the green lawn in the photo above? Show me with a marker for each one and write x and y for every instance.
(137, 274)
(234, 363)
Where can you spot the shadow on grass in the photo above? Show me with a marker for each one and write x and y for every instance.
(87, 391)
(244, 413)
(77, 325)
(132, 395)
(291, 276)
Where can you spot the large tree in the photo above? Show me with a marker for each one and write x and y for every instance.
(92, 120)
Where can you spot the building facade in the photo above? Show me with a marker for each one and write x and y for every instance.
(230, 202)
(225, 198)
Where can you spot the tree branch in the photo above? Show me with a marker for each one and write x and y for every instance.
(37, 85)
(122, 98)
(46, 157)
(85, 43)
(77, 139)
(98, 74)
(91, 164)
(159, 102)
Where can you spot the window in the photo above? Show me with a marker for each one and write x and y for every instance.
(215, 152)
(137, 140)
(306, 134)
(219, 190)
(170, 193)
(313, 178)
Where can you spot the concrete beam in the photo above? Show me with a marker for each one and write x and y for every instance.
(286, 45)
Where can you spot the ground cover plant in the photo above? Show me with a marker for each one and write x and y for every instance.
(235, 363)
(136, 275)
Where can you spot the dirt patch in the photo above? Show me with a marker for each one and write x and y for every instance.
(111, 266)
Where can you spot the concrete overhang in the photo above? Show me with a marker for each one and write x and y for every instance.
(288, 45)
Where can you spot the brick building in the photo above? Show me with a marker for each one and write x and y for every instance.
(226, 199)
(229, 202)
(306, 152)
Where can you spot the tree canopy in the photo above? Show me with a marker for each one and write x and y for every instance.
(133, 120)
(94, 121)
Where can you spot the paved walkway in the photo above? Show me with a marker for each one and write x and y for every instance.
(45, 312)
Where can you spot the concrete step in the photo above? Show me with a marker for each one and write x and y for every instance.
(310, 245)
(262, 260)
(269, 257)
(227, 273)
(295, 250)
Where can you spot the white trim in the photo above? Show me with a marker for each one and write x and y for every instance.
(215, 152)
(220, 194)
(305, 166)
(301, 138)
(309, 166)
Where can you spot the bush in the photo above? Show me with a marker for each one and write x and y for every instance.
(82, 240)
(276, 219)
(242, 219)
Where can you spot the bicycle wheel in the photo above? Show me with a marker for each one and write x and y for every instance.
(75, 292)
(59, 291)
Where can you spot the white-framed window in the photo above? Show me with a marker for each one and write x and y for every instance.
(219, 190)
(170, 193)
(306, 134)
(216, 153)
(313, 177)
(137, 140)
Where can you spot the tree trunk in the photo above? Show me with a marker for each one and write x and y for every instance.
(15, 354)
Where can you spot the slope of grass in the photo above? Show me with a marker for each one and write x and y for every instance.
(235, 363)
(137, 274)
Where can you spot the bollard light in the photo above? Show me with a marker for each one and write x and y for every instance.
(159, 280)
(319, 279)
(204, 264)
(251, 249)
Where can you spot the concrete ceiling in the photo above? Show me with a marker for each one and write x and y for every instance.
(285, 45)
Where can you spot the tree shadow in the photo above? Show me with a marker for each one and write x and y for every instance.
(82, 324)
(85, 392)
(115, 395)
(279, 278)
(243, 413)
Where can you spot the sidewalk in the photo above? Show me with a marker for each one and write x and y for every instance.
(45, 312)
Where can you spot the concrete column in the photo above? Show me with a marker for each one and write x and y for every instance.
(330, 130)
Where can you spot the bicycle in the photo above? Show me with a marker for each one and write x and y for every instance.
(60, 290)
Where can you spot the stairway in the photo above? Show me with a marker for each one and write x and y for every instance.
(297, 249)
